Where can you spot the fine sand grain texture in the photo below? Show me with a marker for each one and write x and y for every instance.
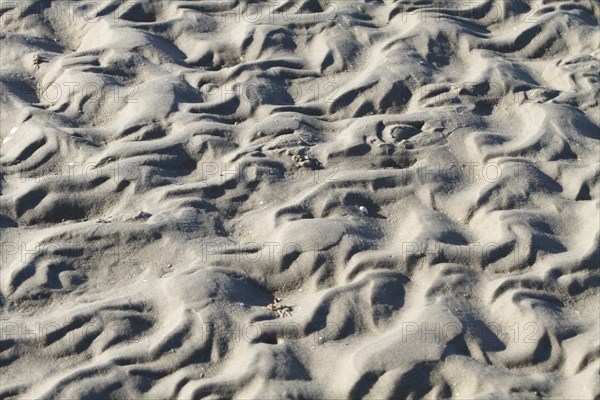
(299, 199)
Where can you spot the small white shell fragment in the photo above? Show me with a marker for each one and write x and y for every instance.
(363, 210)
(14, 130)
(6, 139)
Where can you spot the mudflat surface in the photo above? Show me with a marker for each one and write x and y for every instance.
(342, 200)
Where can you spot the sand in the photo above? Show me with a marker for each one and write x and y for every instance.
(299, 199)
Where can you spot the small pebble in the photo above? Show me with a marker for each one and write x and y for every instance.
(5, 140)
(363, 210)
(142, 215)
(14, 130)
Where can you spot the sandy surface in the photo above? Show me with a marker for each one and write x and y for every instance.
(343, 200)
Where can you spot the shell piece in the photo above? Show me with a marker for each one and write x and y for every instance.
(364, 210)
(281, 310)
